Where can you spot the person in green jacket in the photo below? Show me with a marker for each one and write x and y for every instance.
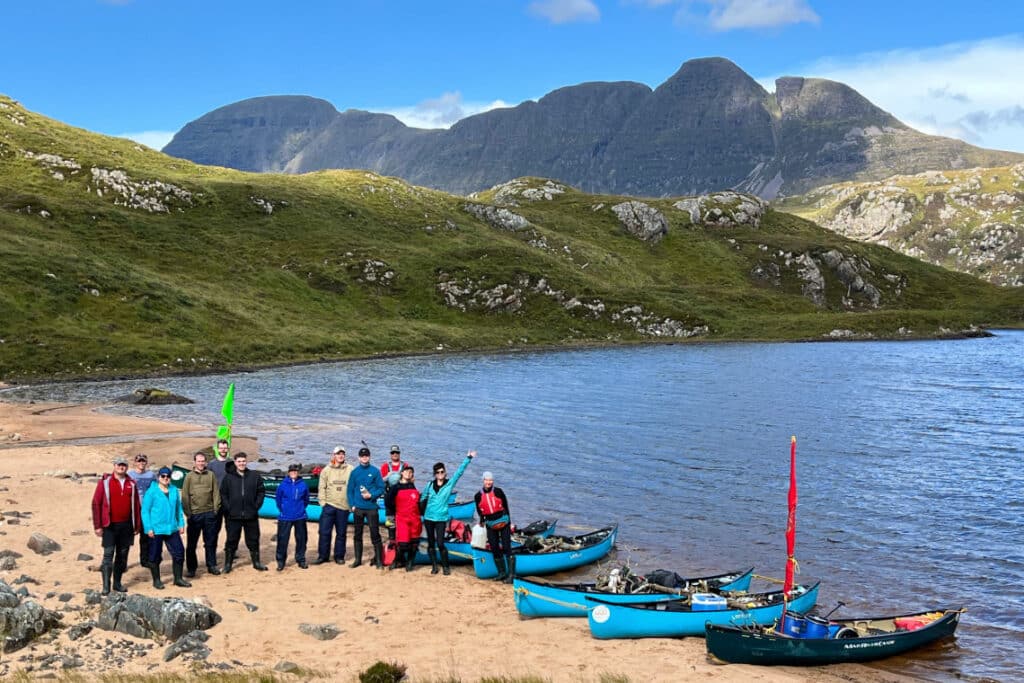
(434, 506)
(163, 521)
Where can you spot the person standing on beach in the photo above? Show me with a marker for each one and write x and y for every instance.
(143, 477)
(434, 505)
(365, 486)
(200, 499)
(116, 518)
(332, 494)
(241, 495)
(403, 501)
(292, 497)
(492, 507)
(391, 472)
(220, 466)
(163, 521)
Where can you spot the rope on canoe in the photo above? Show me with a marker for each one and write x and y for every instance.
(571, 605)
(769, 579)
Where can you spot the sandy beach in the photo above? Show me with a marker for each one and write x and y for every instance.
(439, 627)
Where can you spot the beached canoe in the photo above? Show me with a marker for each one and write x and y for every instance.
(831, 641)
(580, 550)
(539, 598)
(687, 617)
(461, 552)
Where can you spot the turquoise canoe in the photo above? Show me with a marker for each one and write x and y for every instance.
(688, 617)
(269, 510)
(538, 598)
(589, 548)
(462, 552)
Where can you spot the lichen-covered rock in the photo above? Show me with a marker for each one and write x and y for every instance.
(641, 220)
(497, 217)
(21, 622)
(154, 196)
(155, 618)
(724, 210)
(153, 397)
(506, 194)
(320, 631)
(192, 643)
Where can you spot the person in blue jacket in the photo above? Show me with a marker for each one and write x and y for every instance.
(163, 522)
(434, 507)
(292, 498)
(365, 486)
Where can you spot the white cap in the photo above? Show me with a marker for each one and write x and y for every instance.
(338, 449)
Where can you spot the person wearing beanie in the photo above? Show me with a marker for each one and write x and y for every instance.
(365, 486)
(292, 497)
(163, 521)
(434, 506)
(492, 507)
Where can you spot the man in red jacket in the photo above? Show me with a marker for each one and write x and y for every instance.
(116, 518)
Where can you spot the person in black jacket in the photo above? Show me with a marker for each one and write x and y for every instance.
(492, 507)
(241, 495)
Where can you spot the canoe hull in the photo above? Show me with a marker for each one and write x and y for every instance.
(462, 553)
(543, 599)
(536, 564)
(665, 620)
(734, 645)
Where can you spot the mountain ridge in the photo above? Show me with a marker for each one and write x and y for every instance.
(709, 126)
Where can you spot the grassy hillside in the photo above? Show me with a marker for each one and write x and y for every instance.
(117, 259)
(970, 220)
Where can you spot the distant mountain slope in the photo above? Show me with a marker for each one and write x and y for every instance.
(118, 259)
(970, 220)
(708, 127)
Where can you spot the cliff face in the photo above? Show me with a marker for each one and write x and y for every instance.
(708, 127)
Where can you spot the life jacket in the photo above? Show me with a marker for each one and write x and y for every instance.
(490, 503)
(458, 530)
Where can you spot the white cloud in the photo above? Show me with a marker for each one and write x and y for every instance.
(154, 139)
(730, 15)
(565, 11)
(441, 112)
(967, 90)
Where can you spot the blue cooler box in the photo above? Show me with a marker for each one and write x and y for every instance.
(705, 602)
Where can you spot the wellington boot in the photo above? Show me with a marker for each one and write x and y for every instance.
(378, 556)
(357, 551)
(212, 570)
(499, 564)
(410, 557)
(105, 576)
(154, 569)
(117, 585)
(399, 559)
(256, 564)
(176, 568)
(229, 561)
(433, 560)
(511, 569)
(445, 568)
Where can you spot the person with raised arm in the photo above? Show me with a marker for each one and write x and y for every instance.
(434, 505)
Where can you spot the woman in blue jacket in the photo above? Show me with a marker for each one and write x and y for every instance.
(163, 522)
(434, 506)
(292, 498)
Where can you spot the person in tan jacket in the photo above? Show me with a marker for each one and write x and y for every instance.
(200, 501)
(333, 497)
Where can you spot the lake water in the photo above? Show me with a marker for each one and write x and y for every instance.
(909, 457)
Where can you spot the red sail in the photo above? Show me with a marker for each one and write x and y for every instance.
(791, 523)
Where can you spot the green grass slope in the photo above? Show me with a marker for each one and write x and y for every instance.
(115, 259)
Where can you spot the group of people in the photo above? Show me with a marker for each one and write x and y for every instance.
(224, 492)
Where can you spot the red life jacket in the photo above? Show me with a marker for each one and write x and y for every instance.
(490, 503)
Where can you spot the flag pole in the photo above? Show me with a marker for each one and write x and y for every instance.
(791, 564)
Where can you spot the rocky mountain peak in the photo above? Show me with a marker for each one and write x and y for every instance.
(821, 99)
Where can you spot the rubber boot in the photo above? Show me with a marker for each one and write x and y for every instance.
(357, 552)
(511, 569)
(176, 568)
(105, 575)
(229, 561)
(445, 568)
(154, 569)
(499, 564)
(399, 559)
(410, 557)
(256, 564)
(433, 560)
(212, 569)
(378, 556)
(117, 585)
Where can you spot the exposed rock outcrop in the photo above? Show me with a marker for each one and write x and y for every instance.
(724, 209)
(154, 618)
(153, 397)
(22, 621)
(641, 220)
(498, 217)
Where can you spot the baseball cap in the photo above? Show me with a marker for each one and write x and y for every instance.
(164, 471)
(338, 449)
(396, 449)
(364, 451)
(120, 460)
(295, 467)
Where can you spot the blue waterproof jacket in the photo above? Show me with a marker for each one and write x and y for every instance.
(292, 498)
(436, 505)
(368, 476)
(161, 512)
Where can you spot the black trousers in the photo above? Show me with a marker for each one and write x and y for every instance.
(284, 531)
(360, 519)
(435, 534)
(117, 541)
(143, 548)
(205, 524)
(500, 540)
(252, 534)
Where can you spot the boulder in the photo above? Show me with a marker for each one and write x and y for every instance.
(641, 220)
(42, 545)
(21, 622)
(320, 631)
(192, 643)
(153, 397)
(154, 618)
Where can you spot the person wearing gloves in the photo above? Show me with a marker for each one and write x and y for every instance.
(492, 507)
(292, 497)
(365, 486)
(163, 521)
(434, 506)
(403, 501)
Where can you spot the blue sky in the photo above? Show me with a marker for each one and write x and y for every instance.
(144, 68)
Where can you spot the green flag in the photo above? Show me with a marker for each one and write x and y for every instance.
(227, 410)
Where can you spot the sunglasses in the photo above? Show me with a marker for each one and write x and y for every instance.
(164, 476)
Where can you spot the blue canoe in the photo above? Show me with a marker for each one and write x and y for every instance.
(591, 547)
(538, 598)
(269, 510)
(462, 552)
(688, 617)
